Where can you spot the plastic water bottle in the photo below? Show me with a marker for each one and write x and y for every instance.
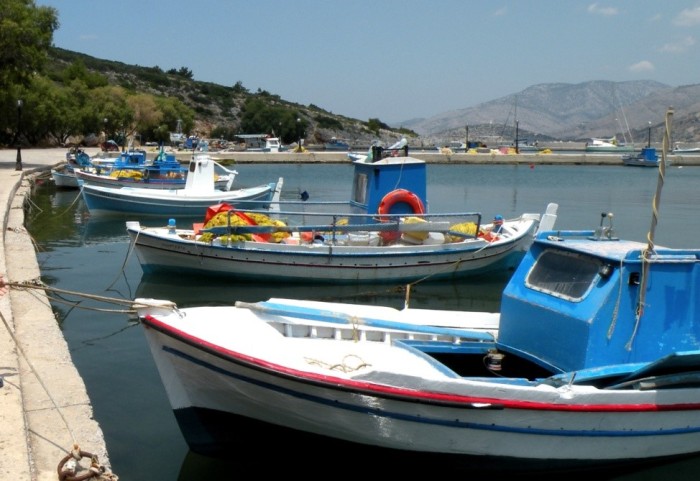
(172, 226)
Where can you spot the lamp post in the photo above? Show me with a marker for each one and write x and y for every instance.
(466, 143)
(517, 148)
(18, 163)
(104, 142)
(299, 133)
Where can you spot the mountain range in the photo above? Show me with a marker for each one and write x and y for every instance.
(575, 112)
(548, 111)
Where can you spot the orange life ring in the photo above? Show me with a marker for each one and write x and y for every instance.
(394, 197)
(400, 196)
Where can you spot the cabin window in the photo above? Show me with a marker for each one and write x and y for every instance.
(359, 190)
(563, 274)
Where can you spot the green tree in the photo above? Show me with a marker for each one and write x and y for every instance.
(172, 110)
(26, 33)
(146, 116)
(182, 72)
(110, 112)
(258, 116)
(52, 111)
(78, 71)
(375, 124)
(238, 88)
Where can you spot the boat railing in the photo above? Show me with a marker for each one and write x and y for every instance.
(313, 319)
(461, 225)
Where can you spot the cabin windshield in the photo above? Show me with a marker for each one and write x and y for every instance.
(359, 189)
(563, 274)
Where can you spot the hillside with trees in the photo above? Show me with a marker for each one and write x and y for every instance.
(67, 95)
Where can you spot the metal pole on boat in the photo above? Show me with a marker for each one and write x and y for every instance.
(649, 135)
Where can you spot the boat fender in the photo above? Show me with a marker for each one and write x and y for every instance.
(394, 197)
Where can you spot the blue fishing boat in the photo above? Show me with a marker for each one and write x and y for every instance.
(593, 362)
(646, 158)
(132, 168)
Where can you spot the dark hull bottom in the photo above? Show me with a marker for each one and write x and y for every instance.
(247, 442)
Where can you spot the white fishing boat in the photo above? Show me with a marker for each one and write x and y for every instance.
(64, 177)
(199, 193)
(607, 145)
(381, 235)
(687, 150)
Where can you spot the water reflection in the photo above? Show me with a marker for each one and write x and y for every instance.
(481, 294)
(90, 254)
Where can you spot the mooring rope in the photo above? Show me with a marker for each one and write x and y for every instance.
(65, 474)
(649, 250)
(38, 284)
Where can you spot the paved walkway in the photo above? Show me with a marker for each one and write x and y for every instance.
(44, 407)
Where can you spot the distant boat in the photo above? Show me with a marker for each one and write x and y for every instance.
(260, 143)
(377, 151)
(677, 149)
(337, 144)
(646, 158)
(65, 177)
(177, 138)
(454, 147)
(607, 145)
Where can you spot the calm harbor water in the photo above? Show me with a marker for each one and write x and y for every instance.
(92, 255)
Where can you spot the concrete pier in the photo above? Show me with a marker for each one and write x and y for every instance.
(45, 408)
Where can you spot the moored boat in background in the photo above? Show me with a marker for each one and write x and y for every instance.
(605, 145)
(163, 172)
(199, 193)
(646, 158)
(382, 234)
(678, 150)
(65, 176)
(336, 145)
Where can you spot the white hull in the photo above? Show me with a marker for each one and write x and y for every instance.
(64, 179)
(193, 200)
(106, 180)
(169, 202)
(231, 361)
(327, 262)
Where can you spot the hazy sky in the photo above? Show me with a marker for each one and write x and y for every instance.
(392, 59)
